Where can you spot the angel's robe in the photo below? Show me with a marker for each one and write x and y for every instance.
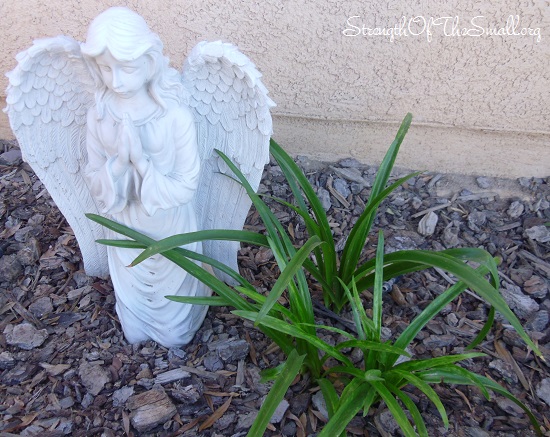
(158, 204)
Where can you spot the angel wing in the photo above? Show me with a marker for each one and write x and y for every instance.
(231, 109)
(48, 97)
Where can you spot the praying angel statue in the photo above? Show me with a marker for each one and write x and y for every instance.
(110, 128)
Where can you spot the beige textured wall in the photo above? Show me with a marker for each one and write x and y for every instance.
(481, 104)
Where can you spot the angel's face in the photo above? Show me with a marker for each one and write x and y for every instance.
(125, 79)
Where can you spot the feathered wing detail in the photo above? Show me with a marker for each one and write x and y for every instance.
(231, 109)
(49, 94)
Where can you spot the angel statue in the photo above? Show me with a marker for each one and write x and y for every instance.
(111, 129)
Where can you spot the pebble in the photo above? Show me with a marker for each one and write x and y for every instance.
(150, 409)
(341, 186)
(350, 163)
(7, 361)
(450, 236)
(475, 431)
(30, 253)
(539, 233)
(10, 268)
(483, 182)
(121, 395)
(93, 377)
(351, 174)
(279, 412)
(41, 307)
(476, 219)
(230, 350)
(543, 390)
(427, 224)
(299, 403)
(515, 210)
(538, 322)
(505, 370)
(25, 336)
(319, 403)
(523, 306)
(245, 421)
(324, 198)
(11, 157)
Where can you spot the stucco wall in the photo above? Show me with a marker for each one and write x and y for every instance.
(480, 104)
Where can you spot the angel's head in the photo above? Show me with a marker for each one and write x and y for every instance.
(121, 34)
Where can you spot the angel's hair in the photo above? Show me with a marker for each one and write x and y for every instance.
(127, 37)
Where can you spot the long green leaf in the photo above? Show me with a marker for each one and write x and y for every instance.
(295, 331)
(199, 300)
(418, 365)
(192, 237)
(426, 389)
(394, 407)
(413, 409)
(350, 403)
(351, 253)
(276, 394)
(286, 276)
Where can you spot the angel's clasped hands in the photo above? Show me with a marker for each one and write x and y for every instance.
(130, 149)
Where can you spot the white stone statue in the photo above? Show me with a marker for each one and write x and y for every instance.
(111, 129)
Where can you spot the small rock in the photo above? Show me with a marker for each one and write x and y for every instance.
(121, 395)
(10, 268)
(212, 362)
(505, 370)
(25, 336)
(476, 219)
(543, 390)
(246, 420)
(93, 377)
(386, 423)
(523, 306)
(30, 253)
(483, 182)
(319, 402)
(6, 360)
(509, 407)
(11, 157)
(225, 421)
(438, 341)
(230, 350)
(516, 209)
(539, 233)
(427, 225)
(341, 186)
(187, 395)
(324, 198)
(41, 307)
(450, 236)
(538, 322)
(309, 165)
(536, 286)
(351, 174)
(350, 163)
(289, 429)
(279, 412)
(475, 431)
(150, 409)
(171, 376)
(87, 400)
(299, 403)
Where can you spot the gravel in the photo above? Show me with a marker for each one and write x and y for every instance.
(66, 369)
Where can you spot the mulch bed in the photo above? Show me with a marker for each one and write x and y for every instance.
(66, 369)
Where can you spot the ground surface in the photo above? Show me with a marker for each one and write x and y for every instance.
(65, 368)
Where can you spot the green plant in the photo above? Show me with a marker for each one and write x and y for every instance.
(293, 327)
